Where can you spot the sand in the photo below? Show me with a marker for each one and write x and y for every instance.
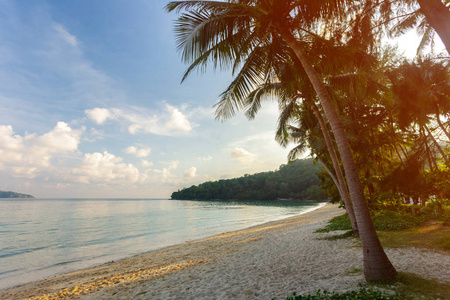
(261, 262)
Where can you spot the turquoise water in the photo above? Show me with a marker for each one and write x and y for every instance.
(44, 237)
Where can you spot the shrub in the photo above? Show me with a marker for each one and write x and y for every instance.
(341, 222)
(362, 294)
(394, 220)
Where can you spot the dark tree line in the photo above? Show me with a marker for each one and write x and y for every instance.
(9, 194)
(296, 180)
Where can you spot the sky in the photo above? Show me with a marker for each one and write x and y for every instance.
(92, 105)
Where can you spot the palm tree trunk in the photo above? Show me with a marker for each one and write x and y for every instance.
(337, 168)
(438, 16)
(376, 263)
(336, 183)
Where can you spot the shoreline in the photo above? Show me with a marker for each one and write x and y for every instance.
(85, 245)
(269, 260)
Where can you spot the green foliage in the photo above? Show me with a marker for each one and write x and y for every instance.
(415, 287)
(296, 180)
(443, 242)
(396, 216)
(338, 236)
(363, 294)
(394, 220)
(341, 222)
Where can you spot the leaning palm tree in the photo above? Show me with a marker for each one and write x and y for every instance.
(231, 34)
(287, 91)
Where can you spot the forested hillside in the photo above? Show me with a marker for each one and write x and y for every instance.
(8, 194)
(296, 180)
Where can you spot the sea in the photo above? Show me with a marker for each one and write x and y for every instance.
(40, 238)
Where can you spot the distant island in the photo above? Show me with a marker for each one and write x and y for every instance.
(296, 180)
(8, 194)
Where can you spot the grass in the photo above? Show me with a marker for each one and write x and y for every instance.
(430, 235)
(341, 222)
(344, 235)
(355, 272)
(395, 231)
(399, 230)
(415, 287)
(362, 294)
(405, 286)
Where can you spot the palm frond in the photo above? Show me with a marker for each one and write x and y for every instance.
(282, 134)
(197, 32)
(222, 54)
(297, 151)
(427, 38)
(213, 6)
(251, 75)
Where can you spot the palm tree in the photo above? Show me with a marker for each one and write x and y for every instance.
(287, 90)
(420, 91)
(438, 16)
(233, 32)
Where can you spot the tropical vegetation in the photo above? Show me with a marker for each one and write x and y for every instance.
(296, 180)
(376, 121)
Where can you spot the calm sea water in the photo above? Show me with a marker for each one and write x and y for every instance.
(44, 237)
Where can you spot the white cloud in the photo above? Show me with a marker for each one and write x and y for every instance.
(165, 175)
(107, 168)
(61, 139)
(191, 172)
(242, 155)
(142, 152)
(145, 163)
(168, 121)
(133, 129)
(205, 158)
(177, 121)
(62, 186)
(99, 115)
(173, 164)
(28, 155)
(65, 35)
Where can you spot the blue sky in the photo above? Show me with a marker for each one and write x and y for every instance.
(91, 105)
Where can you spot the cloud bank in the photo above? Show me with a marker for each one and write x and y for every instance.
(25, 156)
(169, 121)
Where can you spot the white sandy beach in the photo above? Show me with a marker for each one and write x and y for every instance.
(261, 262)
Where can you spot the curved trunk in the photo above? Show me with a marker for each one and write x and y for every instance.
(376, 263)
(438, 16)
(324, 165)
(337, 168)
